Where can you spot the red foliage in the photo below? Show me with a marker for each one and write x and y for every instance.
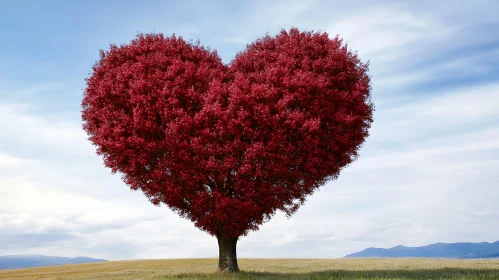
(228, 145)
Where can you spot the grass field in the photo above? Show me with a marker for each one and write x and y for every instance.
(268, 269)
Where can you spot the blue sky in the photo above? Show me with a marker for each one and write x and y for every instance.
(428, 172)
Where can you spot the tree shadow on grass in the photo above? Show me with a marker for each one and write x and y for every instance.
(444, 273)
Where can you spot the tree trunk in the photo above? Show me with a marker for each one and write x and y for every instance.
(227, 258)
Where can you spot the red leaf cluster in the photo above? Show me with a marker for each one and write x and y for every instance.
(226, 146)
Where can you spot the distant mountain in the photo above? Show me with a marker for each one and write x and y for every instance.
(25, 261)
(461, 250)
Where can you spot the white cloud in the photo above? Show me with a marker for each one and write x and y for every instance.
(384, 30)
(53, 132)
(7, 161)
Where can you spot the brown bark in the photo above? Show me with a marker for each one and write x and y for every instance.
(227, 258)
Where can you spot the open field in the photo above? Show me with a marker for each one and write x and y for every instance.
(268, 269)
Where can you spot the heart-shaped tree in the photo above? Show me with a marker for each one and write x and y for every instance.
(226, 146)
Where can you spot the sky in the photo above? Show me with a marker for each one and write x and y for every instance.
(425, 174)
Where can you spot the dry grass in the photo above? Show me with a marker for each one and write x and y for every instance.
(268, 269)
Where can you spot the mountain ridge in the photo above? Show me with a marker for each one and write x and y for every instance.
(27, 261)
(464, 250)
